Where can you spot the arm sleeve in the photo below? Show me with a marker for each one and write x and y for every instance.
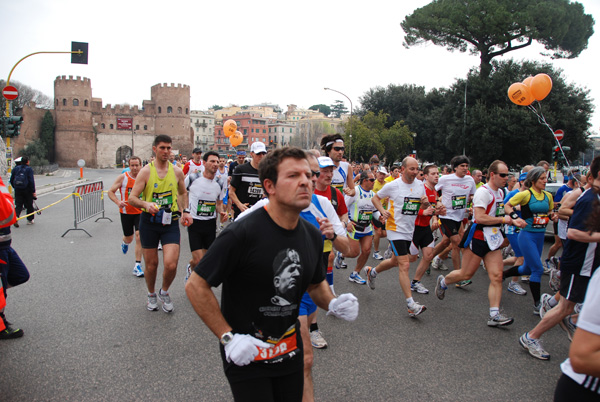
(589, 319)
(220, 260)
(333, 217)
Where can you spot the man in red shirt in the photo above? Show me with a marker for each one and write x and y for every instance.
(424, 227)
(195, 164)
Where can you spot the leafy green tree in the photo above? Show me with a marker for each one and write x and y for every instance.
(326, 110)
(216, 107)
(338, 109)
(36, 152)
(492, 28)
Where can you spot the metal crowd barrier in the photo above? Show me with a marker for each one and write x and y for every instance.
(88, 201)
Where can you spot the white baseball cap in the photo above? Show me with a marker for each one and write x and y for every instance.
(325, 161)
(258, 147)
(382, 170)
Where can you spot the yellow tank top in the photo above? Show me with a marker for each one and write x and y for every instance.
(162, 192)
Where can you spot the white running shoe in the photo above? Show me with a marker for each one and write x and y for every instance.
(515, 288)
(419, 288)
(415, 309)
(138, 271)
(317, 340)
(166, 301)
(377, 256)
(370, 279)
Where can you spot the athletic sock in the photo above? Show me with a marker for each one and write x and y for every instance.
(512, 271)
(494, 311)
(552, 302)
(535, 292)
(314, 327)
(373, 273)
(414, 281)
(329, 276)
(410, 301)
(162, 292)
(443, 283)
(138, 262)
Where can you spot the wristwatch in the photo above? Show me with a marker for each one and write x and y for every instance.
(334, 236)
(514, 215)
(226, 338)
(186, 210)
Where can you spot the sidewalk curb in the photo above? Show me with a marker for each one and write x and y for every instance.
(58, 186)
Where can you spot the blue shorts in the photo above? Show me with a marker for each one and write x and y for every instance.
(307, 305)
(152, 233)
(12, 269)
(357, 236)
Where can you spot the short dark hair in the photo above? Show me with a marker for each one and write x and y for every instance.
(494, 166)
(459, 160)
(209, 153)
(162, 138)
(329, 139)
(427, 168)
(24, 160)
(594, 166)
(542, 163)
(269, 165)
(134, 158)
(364, 175)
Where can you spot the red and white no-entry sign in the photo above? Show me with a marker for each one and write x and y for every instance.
(10, 93)
(559, 134)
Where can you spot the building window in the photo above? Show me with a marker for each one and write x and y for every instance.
(85, 103)
(159, 109)
(179, 110)
(137, 126)
(264, 131)
(112, 126)
(169, 110)
(145, 127)
(103, 125)
(186, 111)
(64, 102)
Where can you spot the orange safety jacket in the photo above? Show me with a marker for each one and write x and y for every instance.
(7, 218)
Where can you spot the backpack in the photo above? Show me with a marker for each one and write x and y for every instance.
(20, 180)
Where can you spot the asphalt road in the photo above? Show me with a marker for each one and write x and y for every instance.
(89, 337)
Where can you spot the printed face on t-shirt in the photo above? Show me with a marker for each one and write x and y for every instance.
(287, 273)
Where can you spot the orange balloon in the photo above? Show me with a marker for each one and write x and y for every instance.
(236, 139)
(520, 94)
(541, 85)
(229, 128)
(527, 81)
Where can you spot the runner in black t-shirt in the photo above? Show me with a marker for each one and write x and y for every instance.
(264, 278)
(245, 188)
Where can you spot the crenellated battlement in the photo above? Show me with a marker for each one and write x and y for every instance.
(172, 85)
(63, 80)
(122, 109)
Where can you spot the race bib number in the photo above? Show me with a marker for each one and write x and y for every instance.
(493, 237)
(459, 201)
(411, 206)
(281, 350)
(364, 217)
(540, 221)
(255, 191)
(163, 200)
(206, 208)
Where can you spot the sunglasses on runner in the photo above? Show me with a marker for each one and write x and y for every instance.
(503, 175)
(316, 174)
(371, 179)
(338, 148)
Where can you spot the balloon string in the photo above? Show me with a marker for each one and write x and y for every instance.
(543, 121)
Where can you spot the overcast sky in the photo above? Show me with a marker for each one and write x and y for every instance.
(243, 52)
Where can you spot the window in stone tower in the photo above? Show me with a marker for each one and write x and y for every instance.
(169, 109)
(64, 102)
(85, 103)
(159, 109)
(75, 102)
(179, 110)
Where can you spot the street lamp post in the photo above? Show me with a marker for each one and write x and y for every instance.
(350, 133)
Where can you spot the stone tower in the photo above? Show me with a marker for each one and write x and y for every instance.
(75, 137)
(172, 114)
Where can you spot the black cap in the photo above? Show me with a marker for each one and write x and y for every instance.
(197, 151)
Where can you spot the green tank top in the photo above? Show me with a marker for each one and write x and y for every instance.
(162, 192)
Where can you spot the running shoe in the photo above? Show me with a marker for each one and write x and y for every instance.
(534, 347)
(415, 309)
(554, 281)
(152, 302)
(499, 320)
(338, 261)
(568, 326)
(355, 277)
(188, 273)
(525, 279)
(377, 256)
(370, 279)
(166, 301)
(555, 262)
(388, 252)
(317, 340)
(536, 308)
(124, 247)
(463, 284)
(159, 246)
(31, 222)
(438, 263)
(137, 270)
(440, 291)
(545, 304)
(547, 267)
(507, 252)
(11, 333)
(428, 272)
(577, 308)
(419, 288)
(515, 288)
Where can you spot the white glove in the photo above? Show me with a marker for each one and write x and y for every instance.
(345, 306)
(243, 349)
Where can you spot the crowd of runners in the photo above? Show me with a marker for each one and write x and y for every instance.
(315, 211)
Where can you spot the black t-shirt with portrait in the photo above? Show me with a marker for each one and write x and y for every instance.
(248, 187)
(264, 270)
